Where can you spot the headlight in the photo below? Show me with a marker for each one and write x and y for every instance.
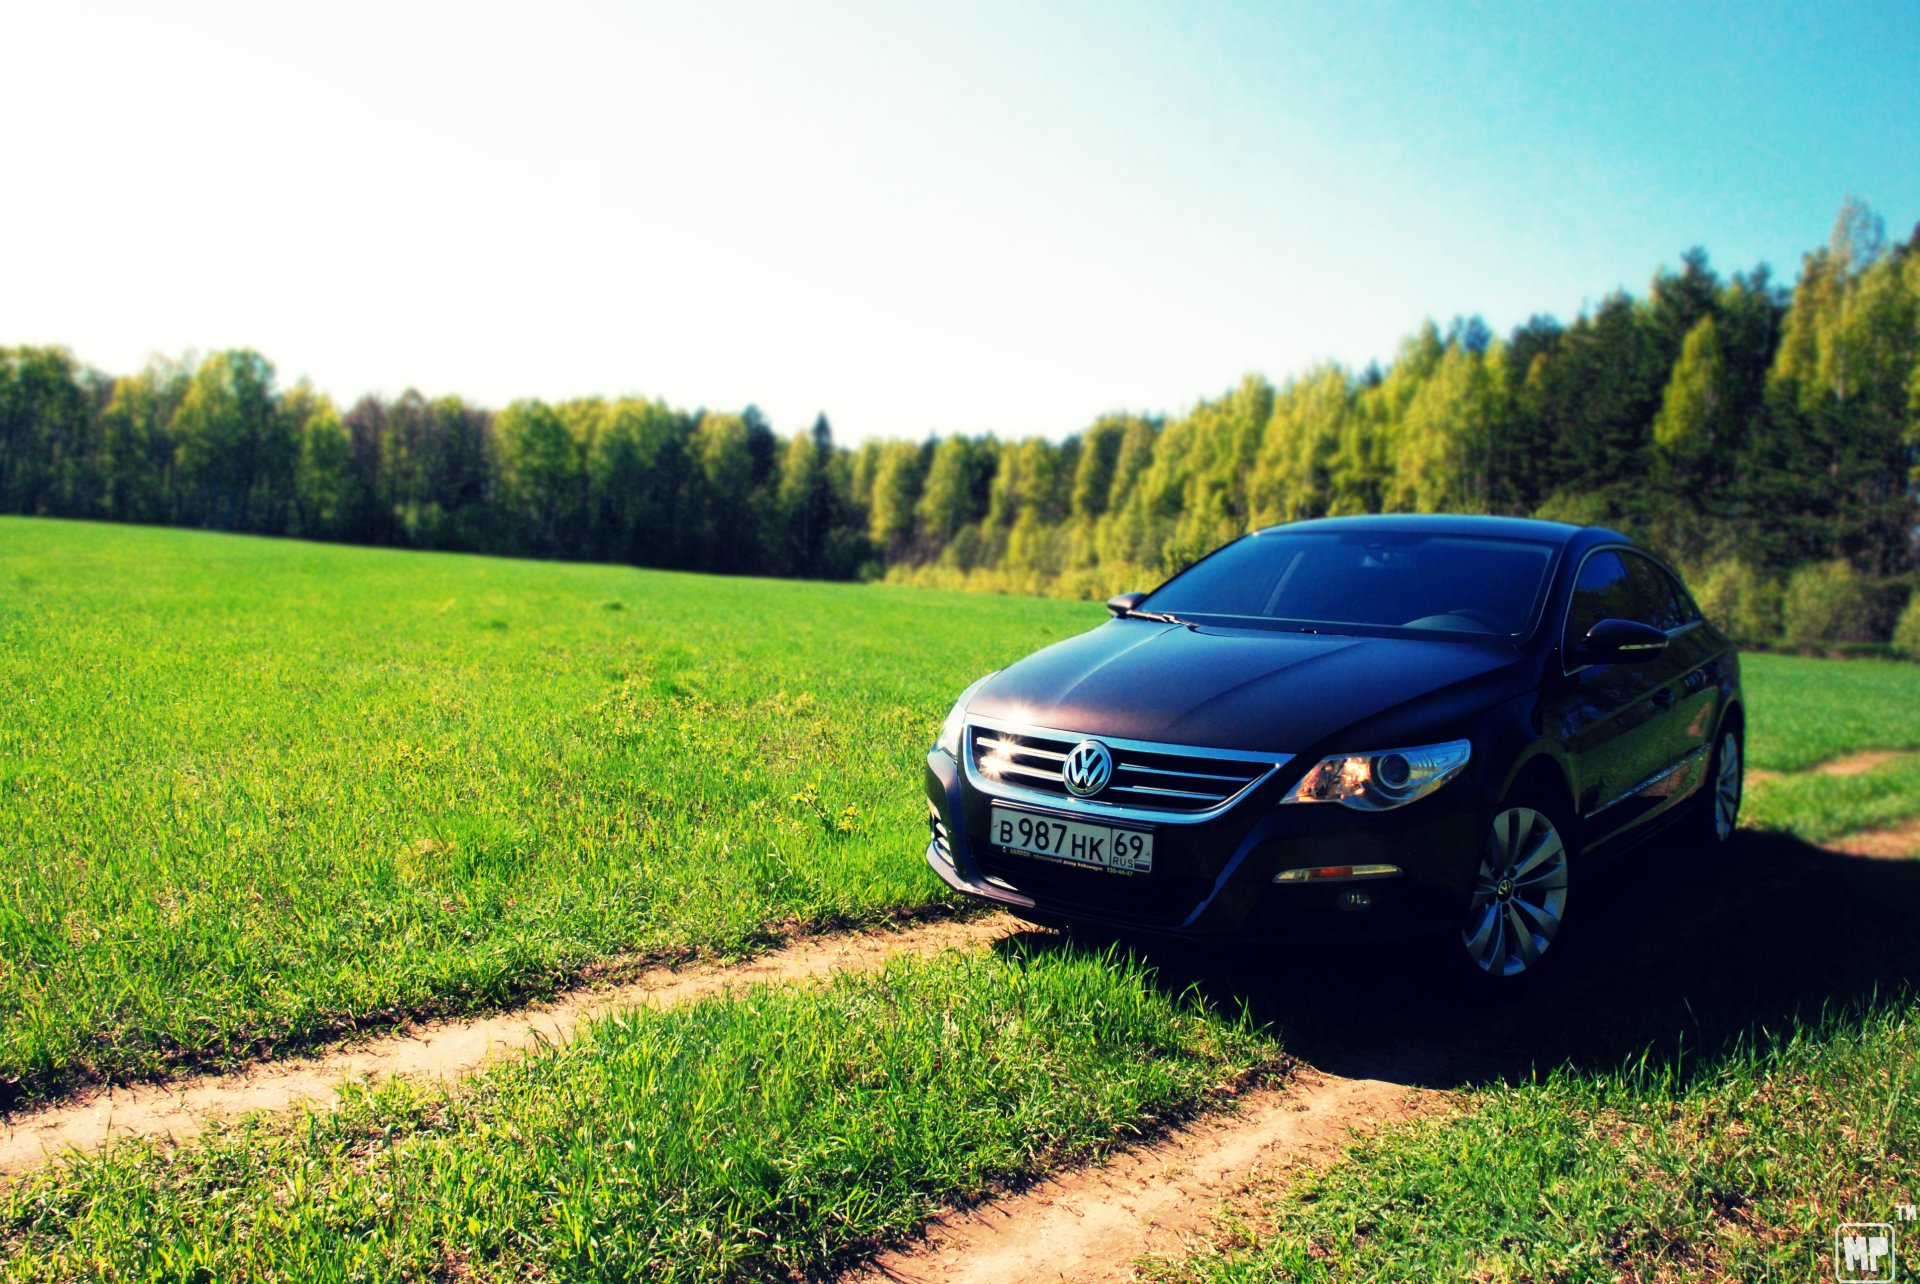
(948, 741)
(1383, 780)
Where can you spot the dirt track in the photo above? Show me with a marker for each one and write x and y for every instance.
(1378, 1036)
(1852, 764)
(1091, 1223)
(444, 1049)
(1898, 843)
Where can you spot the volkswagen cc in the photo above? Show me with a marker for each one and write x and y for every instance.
(1349, 728)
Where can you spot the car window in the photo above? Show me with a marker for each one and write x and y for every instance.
(1604, 591)
(1373, 579)
(1688, 608)
(1655, 588)
(1625, 586)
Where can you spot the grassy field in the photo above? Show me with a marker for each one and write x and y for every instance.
(1818, 808)
(1743, 1173)
(253, 792)
(258, 792)
(1805, 712)
(752, 1136)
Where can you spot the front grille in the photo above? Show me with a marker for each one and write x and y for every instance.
(1159, 778)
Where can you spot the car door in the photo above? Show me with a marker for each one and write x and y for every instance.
(1616, 718)
(1691, 694)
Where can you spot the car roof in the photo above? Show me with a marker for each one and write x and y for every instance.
(1455, 524)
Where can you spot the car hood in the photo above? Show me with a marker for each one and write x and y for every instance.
(1251, 689)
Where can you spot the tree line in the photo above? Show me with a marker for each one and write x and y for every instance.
(1749, 429)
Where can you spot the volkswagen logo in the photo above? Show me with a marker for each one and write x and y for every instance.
(1088, 768)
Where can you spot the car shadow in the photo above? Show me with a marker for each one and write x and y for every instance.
(1673, 958)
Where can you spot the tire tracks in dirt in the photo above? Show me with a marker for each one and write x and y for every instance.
(1896, 842)
(1093, 1222)
(1858, 763)
(183, 1107)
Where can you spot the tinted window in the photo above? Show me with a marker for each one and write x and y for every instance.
(1604, 591)
(1624, 586)
(1367, 578)
(1655, 588)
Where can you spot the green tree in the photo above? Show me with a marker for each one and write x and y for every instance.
(638, 475)
(48, 434)
(324, 501)
(806, 501)
(1693, 430)
(1445, 435)
(898, 477)
(541, 479)
(720, 495)
(957, 485)
(1836, 452)
(235, 455)
(136, 455)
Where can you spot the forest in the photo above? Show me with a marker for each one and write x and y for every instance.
(1765, 437)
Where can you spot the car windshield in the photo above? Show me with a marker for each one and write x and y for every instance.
(1370, 580)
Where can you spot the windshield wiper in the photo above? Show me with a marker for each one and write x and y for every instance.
(1161, 616)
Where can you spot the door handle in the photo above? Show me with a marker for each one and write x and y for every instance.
(1664, 697)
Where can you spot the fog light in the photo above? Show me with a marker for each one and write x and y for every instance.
(1336, 873)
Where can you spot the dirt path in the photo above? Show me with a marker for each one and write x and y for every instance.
(1852, 764)
(445, 1049)
(1900, 842)
(1090, 1224)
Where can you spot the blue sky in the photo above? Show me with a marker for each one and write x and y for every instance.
(981, 217)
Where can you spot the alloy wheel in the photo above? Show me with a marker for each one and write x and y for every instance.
(1519, 896)
(1726, 787)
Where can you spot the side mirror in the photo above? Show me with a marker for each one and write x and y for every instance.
(1121, 603)
(1617, 641)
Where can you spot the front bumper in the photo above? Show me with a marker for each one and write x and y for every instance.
(1214, 879)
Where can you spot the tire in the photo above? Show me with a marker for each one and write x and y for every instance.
(1516, 910)
(1716, 813)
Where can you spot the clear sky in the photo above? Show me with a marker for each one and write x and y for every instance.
(916, 217)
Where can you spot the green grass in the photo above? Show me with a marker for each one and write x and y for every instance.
(1819, 808)
(752, 1136)
(256, 792)
(1743, 1174)
(253, 792)
(1803, 712)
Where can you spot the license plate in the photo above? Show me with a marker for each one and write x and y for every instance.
(1126, 851)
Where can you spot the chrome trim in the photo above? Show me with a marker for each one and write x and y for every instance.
(1097, 808)
(1158, 792)
(1029, 771)
(1031, 753)
(1650, 781)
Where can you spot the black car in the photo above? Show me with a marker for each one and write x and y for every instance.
(1349, 727)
